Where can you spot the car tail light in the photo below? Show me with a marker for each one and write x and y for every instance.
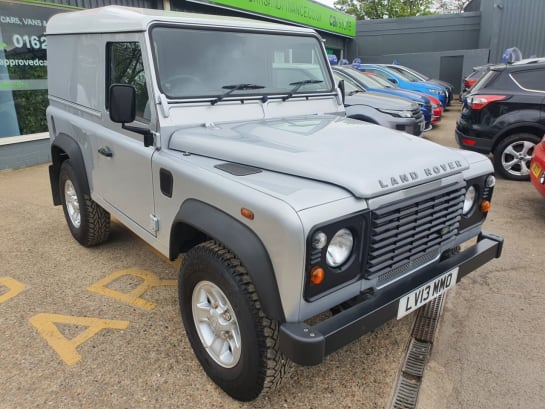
(480, 101)
(469, 83)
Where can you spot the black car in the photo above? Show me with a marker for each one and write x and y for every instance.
(504, 114)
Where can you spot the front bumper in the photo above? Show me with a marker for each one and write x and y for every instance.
(308, 345)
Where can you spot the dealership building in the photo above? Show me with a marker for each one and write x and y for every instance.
(444, 47)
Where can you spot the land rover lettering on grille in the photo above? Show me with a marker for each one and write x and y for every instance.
(409, 177)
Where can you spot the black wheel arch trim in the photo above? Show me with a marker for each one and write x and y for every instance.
(521, 127)
(241, 240)
(65, 147)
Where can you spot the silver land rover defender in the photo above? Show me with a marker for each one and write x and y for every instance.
(201, 135)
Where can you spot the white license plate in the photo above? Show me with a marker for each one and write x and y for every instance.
(426, 293)
(423, 126)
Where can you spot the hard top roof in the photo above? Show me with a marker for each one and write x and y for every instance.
(117, 19)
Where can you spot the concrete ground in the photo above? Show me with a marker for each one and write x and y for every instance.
(489, 350)
(100, 327)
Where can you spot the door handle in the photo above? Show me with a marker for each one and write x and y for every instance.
(106, 151)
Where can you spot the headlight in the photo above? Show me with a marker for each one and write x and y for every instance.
(469, 200)
(340, 248)
(397, 114)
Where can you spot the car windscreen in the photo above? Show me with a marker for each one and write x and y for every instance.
(364, 79)
(201, 63)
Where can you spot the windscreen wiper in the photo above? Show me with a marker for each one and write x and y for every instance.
(356, 91)
(233, 88)
(299, 84)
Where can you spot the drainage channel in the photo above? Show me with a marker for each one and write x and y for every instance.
(405, 394)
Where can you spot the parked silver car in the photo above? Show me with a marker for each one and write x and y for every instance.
(389, 111)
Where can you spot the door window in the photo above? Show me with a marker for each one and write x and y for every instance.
(125, 66)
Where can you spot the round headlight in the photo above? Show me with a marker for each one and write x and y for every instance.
(319, 240)
(469, 199)
(340, 248)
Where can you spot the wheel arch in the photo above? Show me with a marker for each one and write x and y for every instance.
(524, 127)
(65, 147)
(197, 222)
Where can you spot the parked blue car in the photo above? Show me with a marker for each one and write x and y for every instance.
(351, 74)
(403, 82)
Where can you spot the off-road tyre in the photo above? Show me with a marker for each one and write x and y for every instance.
(92, 226)
(260, 366)
(512, 156)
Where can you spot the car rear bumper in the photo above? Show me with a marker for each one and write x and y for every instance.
(473, 143)
(308, 345)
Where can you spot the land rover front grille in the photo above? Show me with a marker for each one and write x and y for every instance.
(409, 234)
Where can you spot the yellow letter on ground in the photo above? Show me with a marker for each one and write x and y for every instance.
(150, 280)
(66, 348)
(14, 288)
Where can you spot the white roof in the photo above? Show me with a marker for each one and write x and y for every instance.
(116, 19)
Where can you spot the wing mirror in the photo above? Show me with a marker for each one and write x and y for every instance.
(123, 110)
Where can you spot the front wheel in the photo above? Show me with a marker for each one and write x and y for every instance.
(236, 344)
(512, 156)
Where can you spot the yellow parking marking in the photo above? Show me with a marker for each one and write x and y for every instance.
(150, 280)
(14, 288)
(66, 348)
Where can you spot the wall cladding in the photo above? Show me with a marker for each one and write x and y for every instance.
(508, 23)
(417, 34)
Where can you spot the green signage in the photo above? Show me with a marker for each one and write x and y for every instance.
(299, 11)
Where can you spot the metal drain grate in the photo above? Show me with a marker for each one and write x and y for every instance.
(417, 358)
(427, 319)
(407, 393)
(408, 384)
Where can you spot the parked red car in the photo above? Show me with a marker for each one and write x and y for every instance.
(537, 167)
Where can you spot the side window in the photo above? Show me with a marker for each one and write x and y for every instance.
(125, 66)
(532, 79)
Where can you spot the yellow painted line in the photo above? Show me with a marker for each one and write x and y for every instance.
(176, 263)
(67, 348)
(14, 288)
(150, 280)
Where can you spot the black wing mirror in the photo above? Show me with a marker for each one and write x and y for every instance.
(123, 110)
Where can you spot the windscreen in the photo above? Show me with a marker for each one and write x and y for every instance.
(197, 63)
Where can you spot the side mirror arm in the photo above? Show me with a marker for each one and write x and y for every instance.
(148, 135)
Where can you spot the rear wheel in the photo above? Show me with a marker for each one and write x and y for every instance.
(512, 156)
(236, 344)
(88, 222)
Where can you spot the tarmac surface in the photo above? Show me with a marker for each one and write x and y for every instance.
(100, 327)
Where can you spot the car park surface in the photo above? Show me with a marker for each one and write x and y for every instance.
(487, 355)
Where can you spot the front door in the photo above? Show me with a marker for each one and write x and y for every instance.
(122, 169)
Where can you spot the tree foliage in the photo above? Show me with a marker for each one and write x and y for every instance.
(378, 9)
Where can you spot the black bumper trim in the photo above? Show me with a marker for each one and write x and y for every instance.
(482, 145)
(308, 345)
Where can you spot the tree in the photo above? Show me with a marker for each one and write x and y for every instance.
(451, 6)
(378, 9)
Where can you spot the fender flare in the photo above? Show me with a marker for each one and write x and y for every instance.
(520, 127)
(65, 147)
(242, 241)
